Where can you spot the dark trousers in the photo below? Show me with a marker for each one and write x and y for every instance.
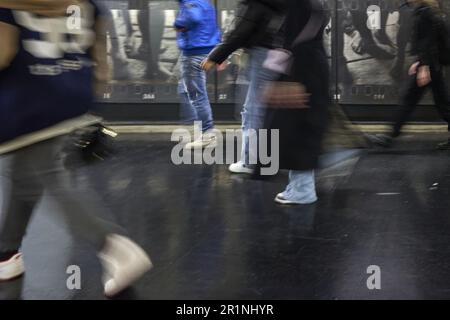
(414, 93)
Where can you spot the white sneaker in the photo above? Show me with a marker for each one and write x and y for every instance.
(12, 268)
(282, 200)
(207, 140)
(124, 262)
(239, 167)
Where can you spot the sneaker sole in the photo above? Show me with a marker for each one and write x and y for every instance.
(290, 203)
(286, 202)
(240, 172)
(208, 146)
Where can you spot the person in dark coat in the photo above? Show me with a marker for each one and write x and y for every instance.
(257, 24)
(301, 130)
(427, 72)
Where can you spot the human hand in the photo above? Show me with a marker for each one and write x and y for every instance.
(423, 76)
(207, 64)
(223, 66)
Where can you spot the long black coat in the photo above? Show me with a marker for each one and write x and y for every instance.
(302, 130)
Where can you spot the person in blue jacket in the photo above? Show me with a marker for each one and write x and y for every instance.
(197, 35)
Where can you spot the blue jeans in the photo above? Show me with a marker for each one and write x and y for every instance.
(301, 188)
(195, 104)
(253, 111)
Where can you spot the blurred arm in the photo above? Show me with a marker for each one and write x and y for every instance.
(239, 37)
(99, 54)
(9, 44)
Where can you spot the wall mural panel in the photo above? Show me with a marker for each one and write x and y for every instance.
(367, 42)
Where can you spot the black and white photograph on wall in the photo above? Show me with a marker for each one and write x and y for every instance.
(367, 42)
(329, 36)
(142, 52)
(373, 50)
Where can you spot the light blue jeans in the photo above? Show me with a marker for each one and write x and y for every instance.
(253, 111)
(301, 188)
(195, 104)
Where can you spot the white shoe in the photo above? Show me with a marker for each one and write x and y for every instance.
(12, 268)
(239, 167)
(282, 200)
(207, 140)
(124, 262)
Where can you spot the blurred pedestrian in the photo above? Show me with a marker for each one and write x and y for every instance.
(300, 112)
(46, 89)
(257, 25)
(197, 34)
(431, 46)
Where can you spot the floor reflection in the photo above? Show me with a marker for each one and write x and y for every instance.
(212, 235)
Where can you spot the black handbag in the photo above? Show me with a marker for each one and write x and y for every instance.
(90, 145)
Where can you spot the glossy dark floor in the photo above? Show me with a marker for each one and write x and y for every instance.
(212, 235)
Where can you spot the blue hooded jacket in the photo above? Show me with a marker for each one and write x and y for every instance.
(202, 34)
